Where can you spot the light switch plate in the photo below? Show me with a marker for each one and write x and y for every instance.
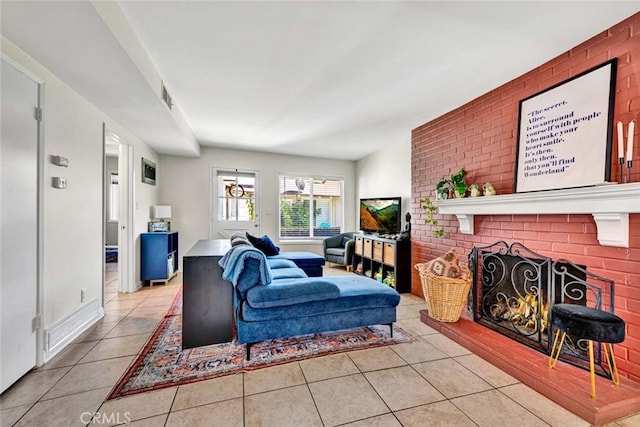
(59, 182)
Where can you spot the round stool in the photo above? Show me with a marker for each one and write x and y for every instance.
(590, 324)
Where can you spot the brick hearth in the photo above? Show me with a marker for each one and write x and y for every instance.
(566, 385)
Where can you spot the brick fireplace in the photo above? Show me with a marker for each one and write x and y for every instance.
(514, 289)
(481, 136)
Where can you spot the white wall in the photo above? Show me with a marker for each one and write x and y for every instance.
(73, 229)
(119, 25)
(146, 195)
(185, 184)
(386, 173)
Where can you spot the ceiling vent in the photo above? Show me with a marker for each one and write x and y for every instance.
(165, 96)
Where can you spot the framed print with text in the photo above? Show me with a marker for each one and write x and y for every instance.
(565, 131)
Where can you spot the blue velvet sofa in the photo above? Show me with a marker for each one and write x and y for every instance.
(274, 298)
(308, 261)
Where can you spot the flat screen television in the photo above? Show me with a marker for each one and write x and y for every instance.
(381, 215)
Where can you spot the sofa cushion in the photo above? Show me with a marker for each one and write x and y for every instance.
(335, 251)
(356, 292)
(285, 293)
(265, 244)
(276, 263)
(288, 273)
(302, 259)
(308, 261)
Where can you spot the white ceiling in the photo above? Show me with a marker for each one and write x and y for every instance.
(326, 79)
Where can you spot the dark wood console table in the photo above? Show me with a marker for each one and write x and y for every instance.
(207, 304)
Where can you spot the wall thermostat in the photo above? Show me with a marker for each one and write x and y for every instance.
(60, 161)
(59, 182)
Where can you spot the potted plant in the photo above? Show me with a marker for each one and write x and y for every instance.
(453, 186)
(458, 185)
(442, 191)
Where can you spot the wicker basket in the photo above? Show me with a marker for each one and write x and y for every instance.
(445, 297)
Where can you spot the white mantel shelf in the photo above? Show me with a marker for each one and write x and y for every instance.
(609, 204)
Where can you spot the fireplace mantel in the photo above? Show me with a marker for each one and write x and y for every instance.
(609, 204)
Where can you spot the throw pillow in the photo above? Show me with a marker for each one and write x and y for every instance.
(265, 244)
(446, 265)
(239, 238)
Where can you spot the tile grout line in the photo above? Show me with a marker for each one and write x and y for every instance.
(244, 407)
(173, 401)
(446, 398)
(373, 388)
(41, 369)
(25, 413)
(315, 405)
(91, 389)
(526, 409)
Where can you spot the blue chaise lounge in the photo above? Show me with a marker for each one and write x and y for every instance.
(273, 298)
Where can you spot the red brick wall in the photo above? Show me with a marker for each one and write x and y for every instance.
(481, 136)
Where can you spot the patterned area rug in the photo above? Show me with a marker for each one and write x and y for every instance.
(162, 363)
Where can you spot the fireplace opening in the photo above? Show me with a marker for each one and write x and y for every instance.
(514, 290)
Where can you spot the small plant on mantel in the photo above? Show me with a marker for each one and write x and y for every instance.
(430, 210)
(456, 185)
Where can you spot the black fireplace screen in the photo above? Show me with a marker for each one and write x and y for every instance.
(515, 288)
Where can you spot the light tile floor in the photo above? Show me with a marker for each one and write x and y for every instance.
(430, 382)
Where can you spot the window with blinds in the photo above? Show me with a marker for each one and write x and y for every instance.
(310, 207)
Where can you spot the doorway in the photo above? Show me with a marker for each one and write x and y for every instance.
(118, 202)
(111, 205)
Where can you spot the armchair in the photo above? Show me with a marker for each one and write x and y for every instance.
(339, 249)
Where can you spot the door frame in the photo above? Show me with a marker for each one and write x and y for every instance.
(126, 264)
(126, 174)
(213, 195)
(39, 319)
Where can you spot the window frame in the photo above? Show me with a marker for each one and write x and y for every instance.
(223, 229)
(114, 199)
(235, 197)
(311, 177)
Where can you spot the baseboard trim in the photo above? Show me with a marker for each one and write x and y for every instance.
(63, 332)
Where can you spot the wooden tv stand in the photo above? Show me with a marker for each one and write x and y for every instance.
(392, 255)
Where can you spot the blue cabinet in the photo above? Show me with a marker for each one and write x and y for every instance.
(159, 256)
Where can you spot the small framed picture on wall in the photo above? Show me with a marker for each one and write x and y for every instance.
(148, 172)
